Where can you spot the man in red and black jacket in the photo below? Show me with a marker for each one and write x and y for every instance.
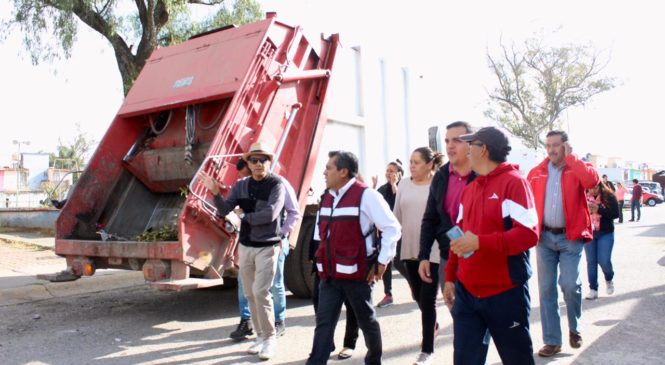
(490, 264)
(559, 184)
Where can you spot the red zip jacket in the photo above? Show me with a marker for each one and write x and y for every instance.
(576, 178)
(499, 208)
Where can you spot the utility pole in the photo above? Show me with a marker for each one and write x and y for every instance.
(18, 167)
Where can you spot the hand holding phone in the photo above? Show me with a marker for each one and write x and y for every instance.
(455, 233)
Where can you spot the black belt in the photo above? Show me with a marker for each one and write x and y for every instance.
(554, 230)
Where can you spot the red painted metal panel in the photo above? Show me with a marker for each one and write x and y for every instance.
(199, 69)
(144, 250)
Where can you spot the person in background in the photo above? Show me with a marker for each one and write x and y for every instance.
(559, 186)
(410, 204)
(621, 195)
(277, 290)
(609, 183)
(604, 210)
(636, 201)
(394, 173)
(489, 265)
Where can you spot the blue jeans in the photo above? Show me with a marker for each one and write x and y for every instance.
(554, 251)
(635, 205)
(332, 294)
(277, 290)
(599, 252)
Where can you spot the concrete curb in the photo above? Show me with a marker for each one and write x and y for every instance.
(85, 285)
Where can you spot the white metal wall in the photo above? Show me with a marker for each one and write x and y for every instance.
(370, 112)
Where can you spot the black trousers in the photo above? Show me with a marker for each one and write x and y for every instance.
(425, 295)
(351, 331)
(388, 280)
(621, 211)
(332, 294)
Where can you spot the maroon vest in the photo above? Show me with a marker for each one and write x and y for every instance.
(342, 254)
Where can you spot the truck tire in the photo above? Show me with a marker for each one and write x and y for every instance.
(298, 276)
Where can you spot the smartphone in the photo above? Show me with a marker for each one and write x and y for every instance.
(455, 233)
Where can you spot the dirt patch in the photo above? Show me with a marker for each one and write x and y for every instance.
(23, 245)
(37, 232)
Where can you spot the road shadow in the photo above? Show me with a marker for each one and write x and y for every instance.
(635, 339)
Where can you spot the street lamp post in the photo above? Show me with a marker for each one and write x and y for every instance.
(18, 167)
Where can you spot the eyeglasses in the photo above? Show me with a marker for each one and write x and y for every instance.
(255, 160)
(479, 144)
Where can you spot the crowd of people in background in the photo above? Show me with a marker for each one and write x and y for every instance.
(464, 228)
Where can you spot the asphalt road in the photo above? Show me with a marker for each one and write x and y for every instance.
(143, 326)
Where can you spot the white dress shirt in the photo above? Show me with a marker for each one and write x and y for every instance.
(373, 211)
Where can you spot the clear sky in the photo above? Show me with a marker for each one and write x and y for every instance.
(444, 41)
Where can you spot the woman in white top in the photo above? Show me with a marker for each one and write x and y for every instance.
(410, 204)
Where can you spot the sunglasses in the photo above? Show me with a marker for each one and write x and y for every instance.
(255, 160)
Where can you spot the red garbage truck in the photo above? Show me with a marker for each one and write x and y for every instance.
(197, 107)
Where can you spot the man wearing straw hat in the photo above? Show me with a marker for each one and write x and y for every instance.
(261, 200)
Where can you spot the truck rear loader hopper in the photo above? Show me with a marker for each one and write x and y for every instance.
(197, 107)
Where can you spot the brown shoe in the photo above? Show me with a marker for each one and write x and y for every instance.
(575, 340)
(549, 350)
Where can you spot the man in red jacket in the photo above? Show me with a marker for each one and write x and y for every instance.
(559, 184)
(489, 264)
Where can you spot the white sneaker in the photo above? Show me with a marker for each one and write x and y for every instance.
(610, 287)
(593, 294)
(268, 349)
(423, 359)
(346, 353)
(256, 346)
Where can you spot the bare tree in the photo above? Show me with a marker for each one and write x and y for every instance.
(537, 83)
(49, 27)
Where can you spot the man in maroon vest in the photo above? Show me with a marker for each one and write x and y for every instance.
(347, 260)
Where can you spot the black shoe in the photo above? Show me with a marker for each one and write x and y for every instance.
(242, 331)
(632, 220)
(280, 328)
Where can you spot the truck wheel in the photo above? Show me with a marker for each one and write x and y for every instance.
(651, 202)
(298, 276)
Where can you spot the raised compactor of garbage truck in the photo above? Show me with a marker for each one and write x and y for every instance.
(197, 107)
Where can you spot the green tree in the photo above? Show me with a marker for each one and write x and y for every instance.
(74, 154)
(49, 27)
(536, 83)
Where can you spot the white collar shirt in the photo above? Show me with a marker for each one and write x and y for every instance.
(374, 210)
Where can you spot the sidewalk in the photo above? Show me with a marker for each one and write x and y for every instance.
(24, 255)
